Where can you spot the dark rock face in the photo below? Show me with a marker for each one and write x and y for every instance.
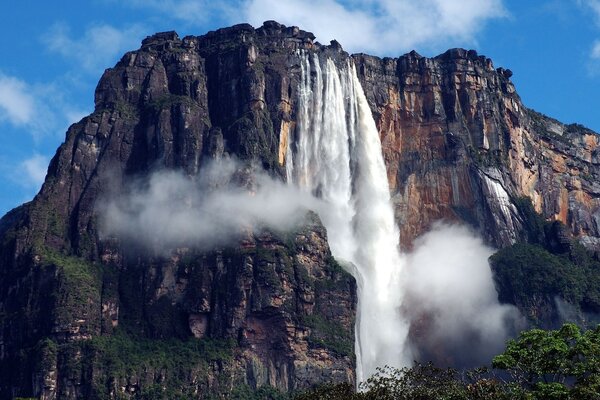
(274, 309)
(71, 303)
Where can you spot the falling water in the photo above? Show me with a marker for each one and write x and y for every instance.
(338, 157)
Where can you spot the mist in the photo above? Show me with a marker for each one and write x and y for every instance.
(216, 208)
(446, 290)
(451, 302)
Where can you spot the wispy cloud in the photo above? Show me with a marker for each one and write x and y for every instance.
(43, 109)
(382, 26)
(33, 171)
(593, 64)
(376, 26)
(36, 109)
(16, 101)
(594, 6)
(190, 12)
(99, 46)
(595, 53)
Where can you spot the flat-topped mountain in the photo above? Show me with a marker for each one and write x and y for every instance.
(84, 314)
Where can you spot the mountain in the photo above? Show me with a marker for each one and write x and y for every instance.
(89, 314)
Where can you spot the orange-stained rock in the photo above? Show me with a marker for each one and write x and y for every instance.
(452, 126)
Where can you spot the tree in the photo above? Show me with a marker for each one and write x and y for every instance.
(561, 364)
(555, 364)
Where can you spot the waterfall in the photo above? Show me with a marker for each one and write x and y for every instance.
(337, 156)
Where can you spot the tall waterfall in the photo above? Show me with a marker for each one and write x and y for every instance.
(336, 154)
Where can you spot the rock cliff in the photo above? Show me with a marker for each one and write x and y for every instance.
(459, 145)
(88, 317)
(84, 316)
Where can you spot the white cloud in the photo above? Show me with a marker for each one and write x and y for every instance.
(595, 53)
(98, 48)
(16, 101)
(39, 110)
(170, 209)
(382, 26)
(43, 109)
(193, 12)
(594, 5)
(593, 65)
(33, 171)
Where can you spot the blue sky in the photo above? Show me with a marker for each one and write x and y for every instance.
(53, 55)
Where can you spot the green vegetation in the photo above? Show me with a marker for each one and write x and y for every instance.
(578, 129)
(542, 362)
(162, 369)
(122, 354)
(525, 271)
(79, 285)
(253, 137)
(540, 124)
(486, 158)
(76, 270)
(245, 392)
(330, 335)
(559, 364)
(46, 352)
(126, 110)
(545, 267)
(533, 223)
(167, 101)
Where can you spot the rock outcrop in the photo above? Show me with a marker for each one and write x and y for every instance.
(274, 309)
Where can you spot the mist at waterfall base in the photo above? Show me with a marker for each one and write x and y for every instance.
(437, 302)
(451, 302)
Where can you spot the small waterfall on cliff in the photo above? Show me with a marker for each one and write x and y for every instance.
(338, 157)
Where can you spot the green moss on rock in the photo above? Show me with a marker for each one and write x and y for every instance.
(330, 335)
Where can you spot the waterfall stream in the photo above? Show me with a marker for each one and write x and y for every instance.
(337, 156)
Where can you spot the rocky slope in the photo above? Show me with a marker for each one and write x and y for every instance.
(86, 317)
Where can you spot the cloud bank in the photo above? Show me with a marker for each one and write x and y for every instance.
(171, 210)
(382, 27)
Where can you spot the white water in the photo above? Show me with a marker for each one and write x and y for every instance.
(338, 157)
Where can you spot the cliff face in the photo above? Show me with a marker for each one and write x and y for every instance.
(85, 316)
(459, 145)
(273, 308)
